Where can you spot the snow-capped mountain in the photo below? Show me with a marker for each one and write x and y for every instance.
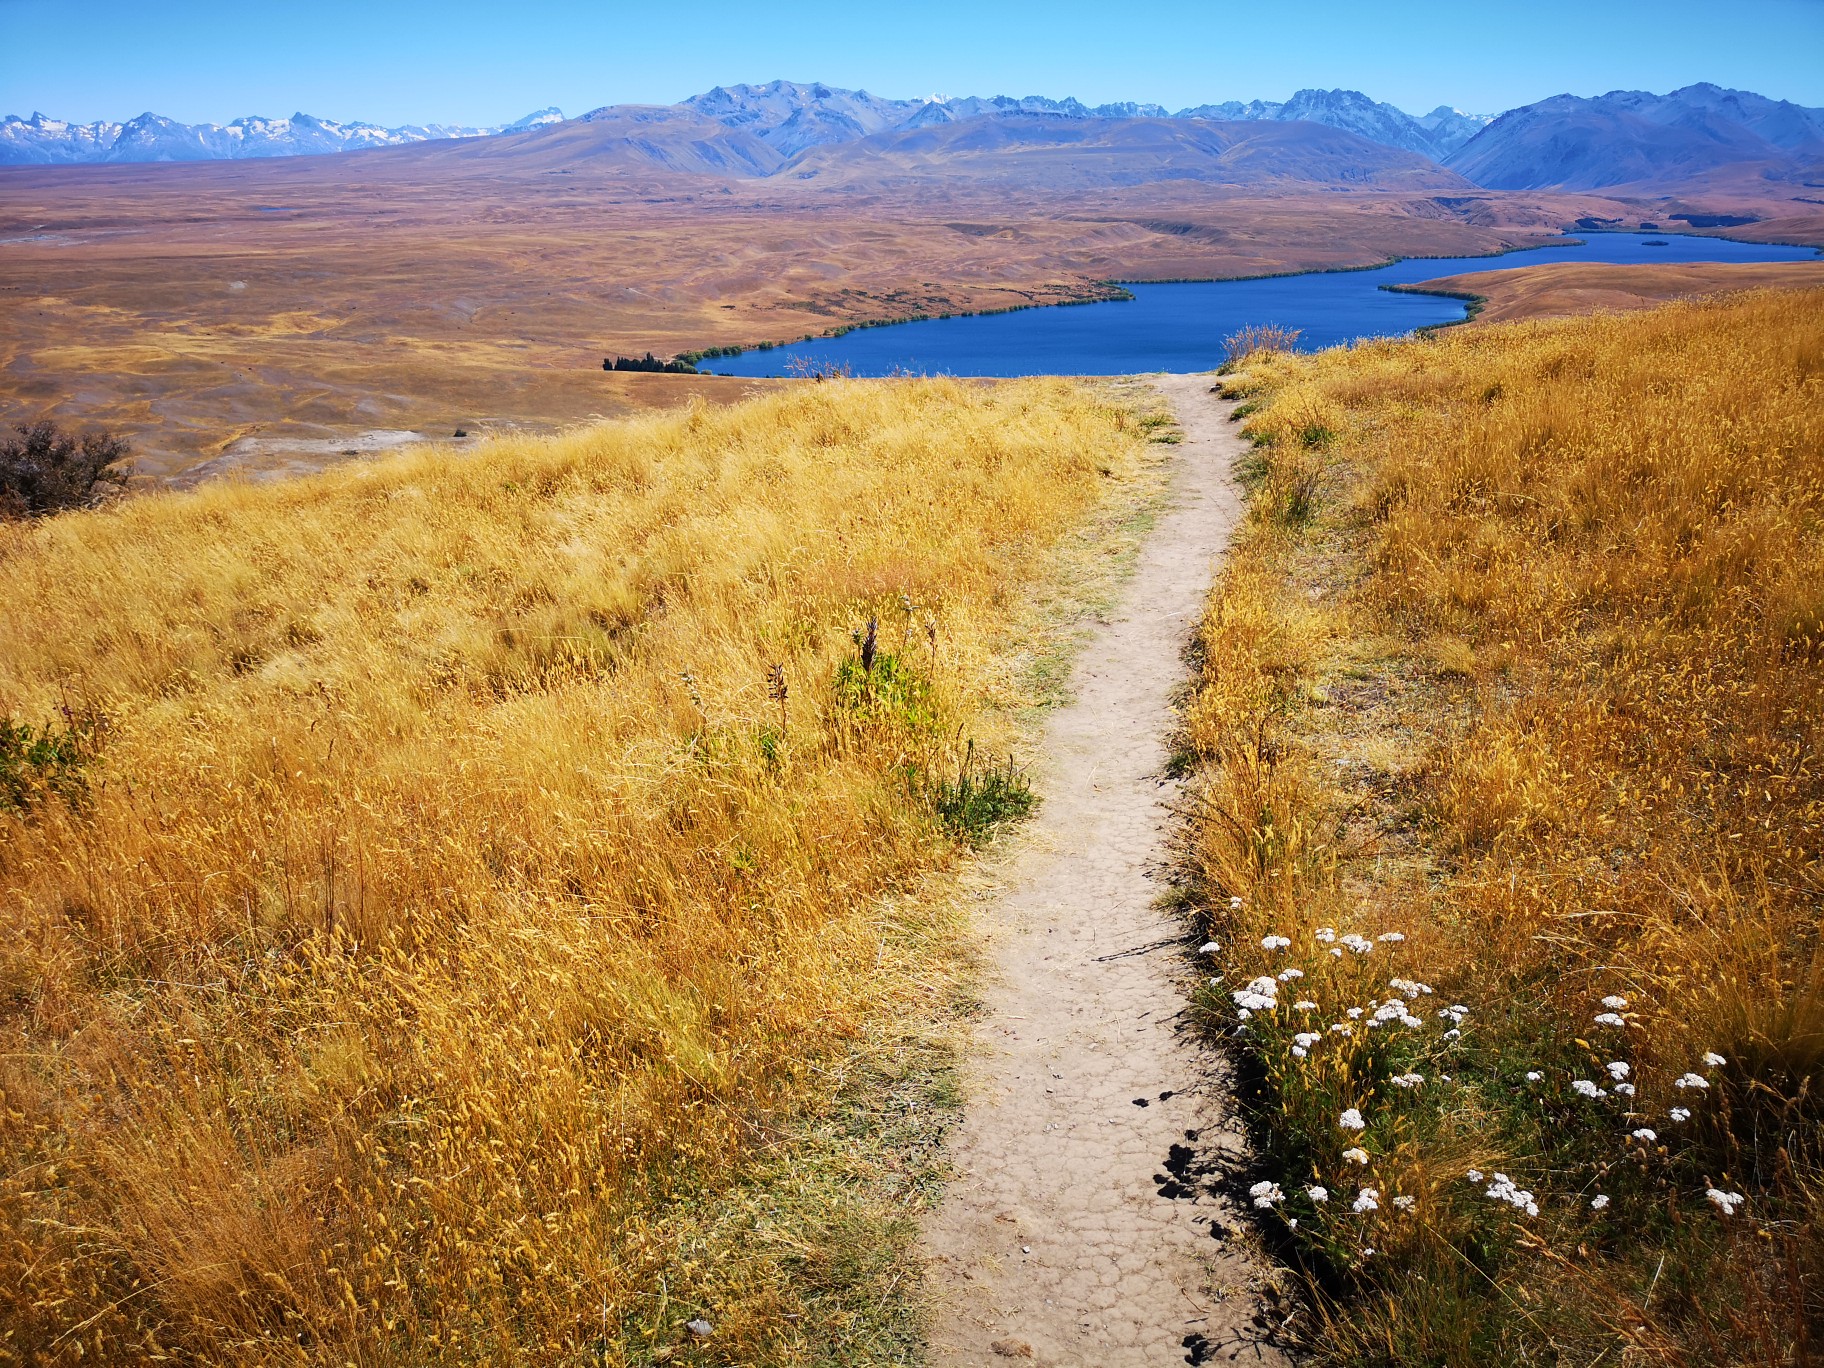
(1434, 135)
(154, 138)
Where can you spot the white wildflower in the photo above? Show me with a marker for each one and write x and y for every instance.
(1474, 1175)
(1533, 1075)
(1405, 1203)
(1326, 934)
(1625, 1089)
(1234, 904)
(1407, 1080)
(1502, 1189)
(1452, 1034)
(1266, 1195)
(1587, 1088)
(1360, 944)
(1354, 1014)
(1410, 987)
(1617, 1069)
(1646, 1133)
(1355, 1154)
(1368, 1199)
(1342, 1028)
(1351, 1119)
(1714, 1060)
(1680, 1113)
(1274, 942)
(1336, 952)
(1299, 1052)
(1208, 948)
(1318, 1193)
(1287, 975)
(1613, 1003)
(1692, 1080)
(1307, 1038)
(1305, 1005)
(1609, 1019)
(1727, 1201)
(1391, 937)
(1599, 1201)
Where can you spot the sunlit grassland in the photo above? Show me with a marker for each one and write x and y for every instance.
(1509, 723)
(458, 947)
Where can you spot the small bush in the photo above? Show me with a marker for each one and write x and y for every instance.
(35, 761)
(44, 469)
(972, 805)
(890, 693)
(1238, 348)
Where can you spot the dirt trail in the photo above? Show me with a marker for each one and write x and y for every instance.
(1058, 1243)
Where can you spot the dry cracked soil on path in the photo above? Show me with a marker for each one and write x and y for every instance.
(1083, 1225)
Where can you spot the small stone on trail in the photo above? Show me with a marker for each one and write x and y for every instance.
(1012, 1348)
(701, 1328)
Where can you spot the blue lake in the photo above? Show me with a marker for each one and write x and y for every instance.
(1180, 327)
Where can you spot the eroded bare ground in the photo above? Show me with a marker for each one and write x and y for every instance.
(1084, 1225)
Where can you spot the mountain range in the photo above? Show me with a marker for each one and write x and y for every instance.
(153, 138)
(1701, 133)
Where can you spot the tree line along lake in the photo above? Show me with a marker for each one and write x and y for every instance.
(1179, 326)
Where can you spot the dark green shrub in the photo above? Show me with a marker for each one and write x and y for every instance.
(35, 761)
(972, 805)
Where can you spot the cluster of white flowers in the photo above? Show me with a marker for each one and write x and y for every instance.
(1533, 1075)
(1502, 1189)
(1274, 942)
(1680, 1113)
(1368, 1199)
(1305, 1005)
(1407, 1080)
(1325, 934)
(1692, 1080)
(1625, 1089)
(1587, 1088)
(1360, 944)
(1405, 1203)
(1394, 1009)
(1208, 948)
(1266, 1195)
(1726, 1201)
(1234, 904)
(1303, 1042)
(1714, 1060)
(1617, 1069)
(1262, 995)
(1318, 1193)
(1474, 1175)
(1599, 1201)
(1410, 987)
(1351, 1119)
(1391, 937)
(1609, 1019)
(1647, 1134)
(1355, 1154)
(1613, 1003)
(1287, 975)
(1341, 1028)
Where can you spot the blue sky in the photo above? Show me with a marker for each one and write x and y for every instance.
(490, 62)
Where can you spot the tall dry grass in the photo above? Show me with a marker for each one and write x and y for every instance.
(458, 913)
(1519, 678)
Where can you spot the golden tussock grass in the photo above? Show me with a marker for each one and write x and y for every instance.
(1522, 661)
(453, 916)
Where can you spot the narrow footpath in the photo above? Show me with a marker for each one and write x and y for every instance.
(1082, 1228)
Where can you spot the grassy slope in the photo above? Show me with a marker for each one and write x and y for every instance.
(1519, 659)
(456, 956)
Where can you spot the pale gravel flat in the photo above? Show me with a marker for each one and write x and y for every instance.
(1055, 1244)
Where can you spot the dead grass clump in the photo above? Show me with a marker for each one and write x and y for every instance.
(1257, 340)
(461, 900)
(1526, 948)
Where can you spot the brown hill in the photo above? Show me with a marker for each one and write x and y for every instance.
(1582, 287)
(1051, 153)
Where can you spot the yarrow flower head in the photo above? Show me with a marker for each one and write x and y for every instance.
(1208, 948)
(1391, 937)
(1614, 1003)
(1680, 1113)
(1647, 1134)
(1599, 1201)
(1326, 934)
(1533, 1075)
(1305, 1005)
(1714, 1060)
(1234, 904)
(1625, 1089)
(1617, 1069)
(1360, 944)
(1609, 1019)
(1274, 942)
(1287, 975)
(1726, 1201)
(1410, 987)
(1262, 995)
(1351, 1120)
(1318, 1193)
(1692, 1080)
(1266, 1195)
(1587, 1088)
(1474, 1175)
(1407, 1080)
(1368, 1199)
(1502, 1189)
(1355, 1154)
(1405, 1203)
